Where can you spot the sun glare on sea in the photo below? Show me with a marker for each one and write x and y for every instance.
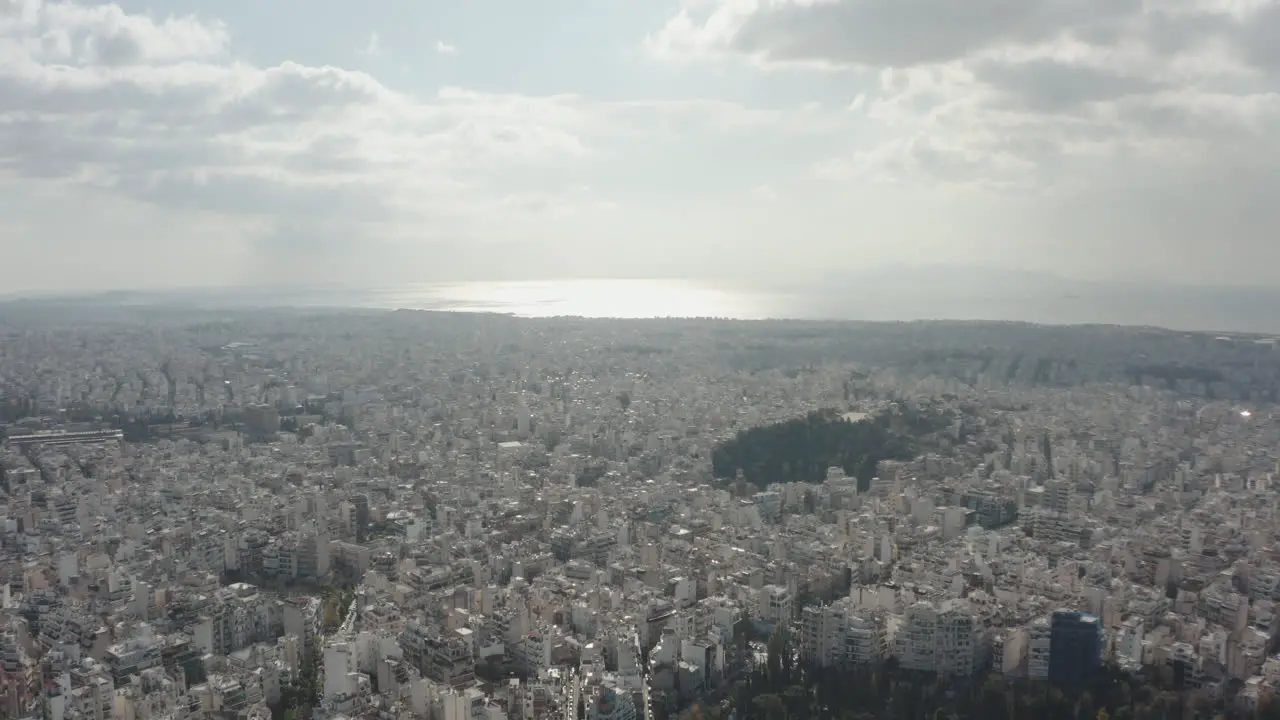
(598, 298)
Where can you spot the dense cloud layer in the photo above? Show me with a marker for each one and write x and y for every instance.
(1018, 92)
(1058, 134)
(304, 160)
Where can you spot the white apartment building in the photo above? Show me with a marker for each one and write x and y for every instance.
(775, 604)
(1038, 649)
(1128, 645)
(947, 640)
(865, 641)
(822, 634)
(836, 635)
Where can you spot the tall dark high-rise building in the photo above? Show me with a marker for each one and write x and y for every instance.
(1075, 648)
(261, 422)
(361, 503)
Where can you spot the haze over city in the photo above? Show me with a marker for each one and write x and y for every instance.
(183, 144)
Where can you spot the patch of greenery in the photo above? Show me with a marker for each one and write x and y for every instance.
(801, 450)
(782, 688)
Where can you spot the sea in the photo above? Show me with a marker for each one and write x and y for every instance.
(884, 298)
(1241, 310)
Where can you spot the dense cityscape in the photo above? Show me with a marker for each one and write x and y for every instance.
(341, 514)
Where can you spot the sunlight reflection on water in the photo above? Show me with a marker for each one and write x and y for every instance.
(587, 298)
(658, 298)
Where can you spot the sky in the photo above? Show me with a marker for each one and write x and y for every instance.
(182, 143)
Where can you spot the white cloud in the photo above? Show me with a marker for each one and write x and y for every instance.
(372, 46)
(1010, 93)
(1041, 131)
(444, 48)
(107, 36)
(321, 161)
(1085, 134)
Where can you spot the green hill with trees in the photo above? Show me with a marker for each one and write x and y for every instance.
(802, 449)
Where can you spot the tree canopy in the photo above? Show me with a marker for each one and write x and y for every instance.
(782, 689)
(801, 450)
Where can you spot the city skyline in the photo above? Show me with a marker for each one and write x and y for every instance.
(337, 514)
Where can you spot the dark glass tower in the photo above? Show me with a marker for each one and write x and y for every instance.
(1075, 648)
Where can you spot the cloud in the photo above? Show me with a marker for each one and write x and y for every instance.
(879, 33)
(372, 46)
(1018, 94)
(444, 48)
(1090, 135)
(1043, 131)
(105, 35)
(162, 113)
